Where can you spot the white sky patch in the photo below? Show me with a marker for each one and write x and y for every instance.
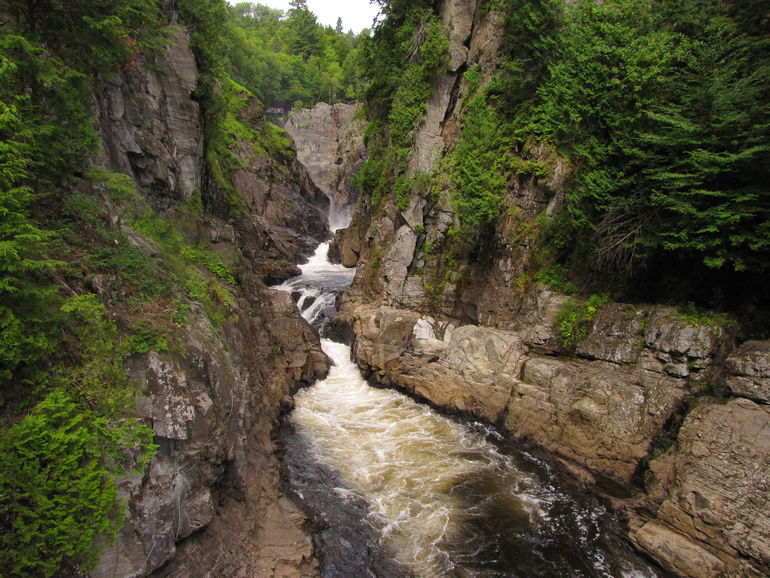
(356, 14)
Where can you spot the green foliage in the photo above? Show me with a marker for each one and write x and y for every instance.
(401, 61)
(672, 152)
(181, 261)
(573, 322)
(140, 276)
(45, 136)
(291, 61)
(478, 165)
(556, 277)
(91, 34)
(213, 263)
(661, 110)
(415, 183)
(98, 377)
(531, 28)
(690, 313)
(119, 187)
(424, 42)
(207, 19)
(145, 338)
(57, 494)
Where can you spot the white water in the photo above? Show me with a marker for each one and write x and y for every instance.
(441, 498)
(340, 216)
(318, 286)
(404, 459)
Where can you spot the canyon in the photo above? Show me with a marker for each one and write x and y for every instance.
(662, 414)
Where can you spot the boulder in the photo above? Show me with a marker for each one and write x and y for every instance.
(747, 371)
(713, 485)
(467, 369)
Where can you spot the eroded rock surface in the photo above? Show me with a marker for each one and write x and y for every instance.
(209, 502)
(748, 371)
(606, 413)
(713, 486)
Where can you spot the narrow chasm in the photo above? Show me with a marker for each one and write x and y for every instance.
(392, 488)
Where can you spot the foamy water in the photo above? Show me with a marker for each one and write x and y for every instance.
(440, 497)
(404, 459)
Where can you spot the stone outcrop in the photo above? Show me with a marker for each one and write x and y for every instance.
(470, 369)
(329, 141)
(748, 371)
(212, 412)
(151, 125)
(713, 487)
(151, 128)
(284, 215)
(610, 414)
(210, 498)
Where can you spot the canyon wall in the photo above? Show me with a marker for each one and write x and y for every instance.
(329, 141)
(212, 491)
(654, 408)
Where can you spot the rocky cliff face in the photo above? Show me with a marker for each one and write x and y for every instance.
(212, 491)
(656, 410)
(329, 141)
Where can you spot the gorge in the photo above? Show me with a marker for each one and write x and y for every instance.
(150, 289)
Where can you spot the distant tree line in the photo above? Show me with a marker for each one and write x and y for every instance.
(289, 59)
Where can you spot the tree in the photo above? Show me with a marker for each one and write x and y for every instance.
(305, 32)
(285, 66)
(57, 494)
(338, 29)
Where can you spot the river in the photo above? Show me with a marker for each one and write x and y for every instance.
(393, 488)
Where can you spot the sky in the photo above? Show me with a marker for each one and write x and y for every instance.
(356, 14)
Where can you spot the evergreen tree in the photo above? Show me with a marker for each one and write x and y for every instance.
(304, 29)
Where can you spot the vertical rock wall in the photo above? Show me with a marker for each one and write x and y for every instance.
(210, 502)
(329, 141)
(651, 407)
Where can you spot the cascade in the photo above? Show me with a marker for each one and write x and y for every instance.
(393, 488)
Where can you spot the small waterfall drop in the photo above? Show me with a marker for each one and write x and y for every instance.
(393, 489)
(316, 289)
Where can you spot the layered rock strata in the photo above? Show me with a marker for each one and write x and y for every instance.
(209, 502)
(656, 410)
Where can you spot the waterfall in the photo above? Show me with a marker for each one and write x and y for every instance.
(395, 489)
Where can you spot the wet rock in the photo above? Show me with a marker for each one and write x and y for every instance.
(309, 300)
(347, 544)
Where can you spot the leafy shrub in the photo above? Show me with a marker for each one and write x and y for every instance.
(213, 263)
(57, 493)
(556, 277)
(133, 266)
(573, 322)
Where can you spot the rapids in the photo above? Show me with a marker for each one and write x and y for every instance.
(393, 488)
